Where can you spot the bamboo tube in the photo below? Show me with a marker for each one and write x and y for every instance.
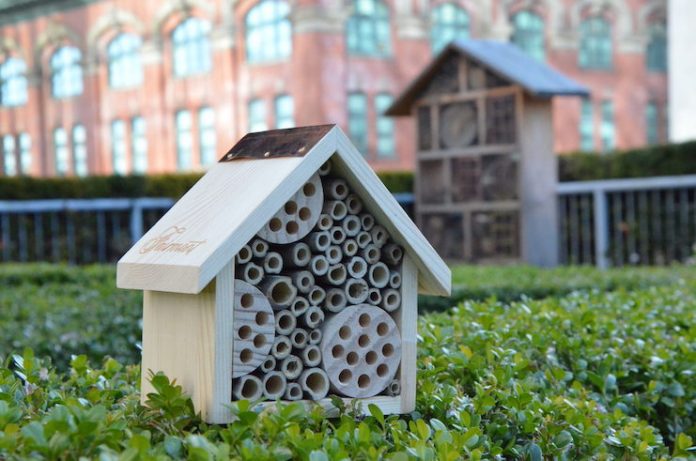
(272, 263)
(311, 355)
(391, 300)
(259, 248)
(378, 275)
(325, 168)
(296, 255)
(392, 254)
(395, 279)
(279, 291)
(247, 387)
(338, 235)
(350, 247)
(374, 296)
(299, 306)
(356, 291)
(335, 300)
(281, 347)
(291, 367)
(325, 222)
(319, 241)
(312, 318)
(268, 364)
(315, 383)
(274, 385)
(335, 209)
(319, 265)
(354, 204)
(302, 280)
(334, 254)
(351, 225)
(335, 188)
(371, 254)
(393, 388)
(336, 275)
(299, 338)
(244, 255)
(252, 273)
(315, 336)
(293, 392)
(367, 221)
(379, 235)
(357, 267)
(364, 239)
(285, 322)
(316, 296)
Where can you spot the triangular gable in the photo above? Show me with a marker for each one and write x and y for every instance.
(206, 228)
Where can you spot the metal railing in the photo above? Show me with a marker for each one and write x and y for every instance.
(627, 221)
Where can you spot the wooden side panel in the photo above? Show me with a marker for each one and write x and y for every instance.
(407, 319)
(219, 407)
(179, 340)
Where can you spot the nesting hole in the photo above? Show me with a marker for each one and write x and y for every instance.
(363, 341)
(352, 358)
(325, 222)
(345, 376)
(261, 318)
(295, 392)
(320, 265)
(371, 357)
(246, 355)
(281, 293)
(247, 300)
(305, 213)
(315, 316)
(250, 388)
(316, 382)
(281, 347)
(337, 234)
(292, 227)
(375, 296)
(350, 247)
(244, 253)
(387, 350)
(382, 329)
(244, 332)
(275, 224)
(379, 273)
(341, 189)
(315, 335)
(286, 321)
(291, 366)
(316, 295)
(309, 189)
(363, 381)
(302, 253)
(291, 207)
(372, 253)
(259, 341)
(274, 262)
(253, 273)
(274, 384)
(382, 370)
(364, 320)
(344, 332)
(392, 299)
(313, 354)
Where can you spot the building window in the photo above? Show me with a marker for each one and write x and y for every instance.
(268, 32)
(60, 149)
(13, 82)
(79, 139)
(608, 129)
(528, 34)
(284, 111)
(357, 121)
(184, 140)
(656, 52)
(587, 126)
(595, 44)
(139, 145)
(118, 147)
(191, 48)
(257, 115)
(447, 22)
(385, 126)
(25, 153)
(652, 123)
(66, 72)
(207, 136)
(125, 68)
(9, 155)
(368, 31)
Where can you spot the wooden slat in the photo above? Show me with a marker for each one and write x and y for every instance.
(407, 320)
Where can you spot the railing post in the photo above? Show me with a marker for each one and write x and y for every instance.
(136, 221)
(601, 228)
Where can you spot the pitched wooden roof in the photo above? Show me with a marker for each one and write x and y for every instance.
(206, 228)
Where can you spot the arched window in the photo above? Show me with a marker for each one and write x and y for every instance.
(656, 52)
(595, 44)
(368, 31)
(447, 22)
(125, 69)
(268, 31)
(66, 72)
(191, 47)
(528, 34)
(13, 82)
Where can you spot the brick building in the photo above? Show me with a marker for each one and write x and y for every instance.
(94, 87)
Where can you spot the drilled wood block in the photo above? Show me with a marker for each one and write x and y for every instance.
(254, 325)
(361, 350)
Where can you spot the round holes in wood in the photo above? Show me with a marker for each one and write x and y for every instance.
(254, 325)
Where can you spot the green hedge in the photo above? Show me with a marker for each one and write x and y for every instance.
(590, 375)
(665, 160)
(167, 185)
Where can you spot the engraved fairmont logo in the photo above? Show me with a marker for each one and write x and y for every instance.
(164, 242)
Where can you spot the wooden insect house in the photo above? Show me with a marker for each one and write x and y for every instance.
(288, 272)
(486, 169)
